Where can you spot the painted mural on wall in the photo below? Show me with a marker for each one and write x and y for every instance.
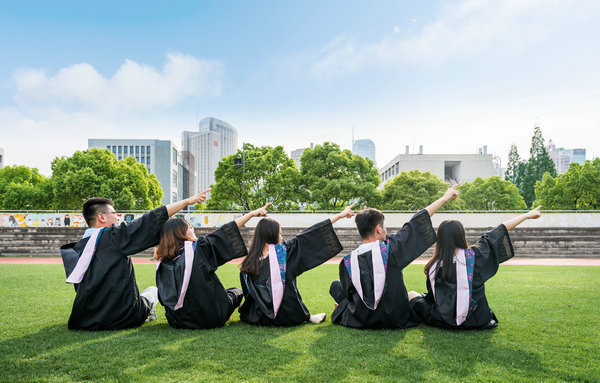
(76, 219)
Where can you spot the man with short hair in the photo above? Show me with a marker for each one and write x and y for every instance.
(371, 291)
(107, 295)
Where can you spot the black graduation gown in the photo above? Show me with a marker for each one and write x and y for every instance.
(493, 248)
(307, 250)
(205, 304)
(393, 310)
(108, 297)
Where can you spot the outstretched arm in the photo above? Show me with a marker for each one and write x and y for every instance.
(260, 212)
(450, 195)
(533, 214)
(176, 206)
(346, 213)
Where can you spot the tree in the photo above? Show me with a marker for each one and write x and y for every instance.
(491, 193)
(269, 175)
(336, 177)
(415, 190)
(24, 188)
(539, 163)
(577, 189)
(97, 173)
(515, 168)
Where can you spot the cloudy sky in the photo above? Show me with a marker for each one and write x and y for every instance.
(449, 75)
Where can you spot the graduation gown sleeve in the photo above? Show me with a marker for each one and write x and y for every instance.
(222, 245)
(311, 248)
(493, 248)
(141, 233)
(412, 240)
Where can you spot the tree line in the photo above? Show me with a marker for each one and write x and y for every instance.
(329, 178)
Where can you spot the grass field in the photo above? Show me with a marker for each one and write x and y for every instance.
(549, 331)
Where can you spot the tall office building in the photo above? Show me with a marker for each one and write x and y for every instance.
(364, 148)
(1, 158)
(563, 157)
(159, 156)
(187, 174)
(215, 140)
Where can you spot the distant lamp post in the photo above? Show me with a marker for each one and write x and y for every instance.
(242, 162)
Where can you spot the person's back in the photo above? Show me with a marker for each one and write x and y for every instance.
(107, 295)
(268, 275)
(457, 273)
(188, 287)
(371, 292)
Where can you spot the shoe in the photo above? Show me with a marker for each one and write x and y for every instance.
(151, 316)
(318, 318)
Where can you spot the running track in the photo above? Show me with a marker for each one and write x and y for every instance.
(333, 261)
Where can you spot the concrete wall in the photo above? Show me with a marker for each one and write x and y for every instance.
(574, 242)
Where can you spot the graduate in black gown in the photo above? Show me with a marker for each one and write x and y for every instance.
(107, 295)
(268, 274)
(188, 286)
(457, 273)
(370, 292)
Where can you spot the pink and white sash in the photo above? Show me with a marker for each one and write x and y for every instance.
(85, 259)
(188, 251)
(277, 285)
(463, 295)
(378, 273)
(463, 291)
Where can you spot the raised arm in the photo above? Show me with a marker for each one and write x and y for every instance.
(260, 212)
(176, 206)
(450, 195)
(346, 213)
(533, 214)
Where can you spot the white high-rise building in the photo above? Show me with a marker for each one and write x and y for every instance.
(215, 140)
(1, 158)
(364, 148)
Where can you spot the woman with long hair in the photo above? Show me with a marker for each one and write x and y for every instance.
(457, 273)
(268, 274)
(188, 286)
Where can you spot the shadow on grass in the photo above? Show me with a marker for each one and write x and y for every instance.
(156, 352)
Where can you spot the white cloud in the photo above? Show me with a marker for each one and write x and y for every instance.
(133, 87)
(463, 30)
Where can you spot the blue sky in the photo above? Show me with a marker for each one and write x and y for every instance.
(449, 75)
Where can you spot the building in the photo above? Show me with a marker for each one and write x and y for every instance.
(453, 168)
(215, 140)
(297, 154)
(159, 156)
(187, 174)
(364, 148)
(563, 157)
(1, 158)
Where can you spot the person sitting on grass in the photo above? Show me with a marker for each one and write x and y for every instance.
(268, 274)
(457, 272)
(370, 292)
(107, 295)
(188, 286)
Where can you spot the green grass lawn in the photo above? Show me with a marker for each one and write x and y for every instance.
(549, 331)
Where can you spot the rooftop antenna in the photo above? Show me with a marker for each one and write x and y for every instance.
(353, 138)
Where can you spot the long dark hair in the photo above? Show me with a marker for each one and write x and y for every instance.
(172, 237)
(266, 232)
(450, 236)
